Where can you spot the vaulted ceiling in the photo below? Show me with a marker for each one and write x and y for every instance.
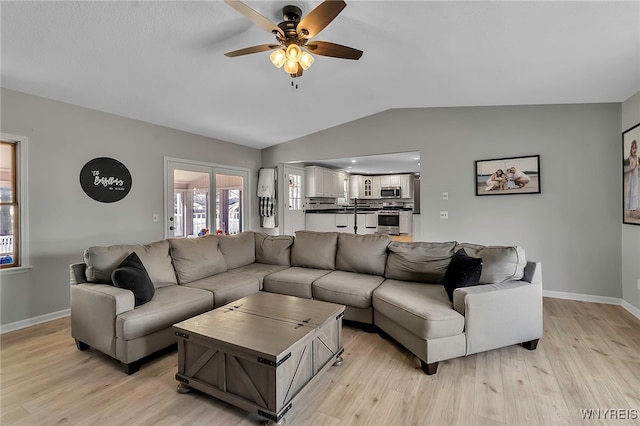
(163, 63)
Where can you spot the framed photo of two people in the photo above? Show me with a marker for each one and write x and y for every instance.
(630, 191)
(508, 176)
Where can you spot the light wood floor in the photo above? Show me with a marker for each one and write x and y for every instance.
(589, 358)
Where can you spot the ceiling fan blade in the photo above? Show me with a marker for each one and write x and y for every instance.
(319, 18)
(325, 48)
(255, 17)
(252, 49)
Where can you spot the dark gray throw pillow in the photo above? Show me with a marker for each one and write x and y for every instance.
(132, 275)
(463, 271)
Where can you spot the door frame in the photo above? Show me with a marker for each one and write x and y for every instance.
(213, 170)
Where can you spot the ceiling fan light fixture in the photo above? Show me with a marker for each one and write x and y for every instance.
(278, 58)
(294, 52)
(306, 60)
(291, 67)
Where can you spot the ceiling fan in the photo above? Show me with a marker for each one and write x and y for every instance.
(293, 47)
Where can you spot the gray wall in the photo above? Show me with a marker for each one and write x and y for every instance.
(630, 233)
(63, 221)
(573, 227)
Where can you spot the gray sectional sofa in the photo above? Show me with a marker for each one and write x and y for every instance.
(394, 287)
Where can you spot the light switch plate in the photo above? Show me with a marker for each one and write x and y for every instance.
(155, 217)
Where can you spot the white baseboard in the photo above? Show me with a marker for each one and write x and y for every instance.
(594, 299)
(632, 309)
(33, 321)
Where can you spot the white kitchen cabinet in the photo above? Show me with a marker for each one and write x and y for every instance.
(406, 222)
(314, 181)
(354, 186)
(322, 182)
(389, 180)
(406, 183)
(375, 186)
(342, 222)
(320, 222)
(367, 187)
(370, 222)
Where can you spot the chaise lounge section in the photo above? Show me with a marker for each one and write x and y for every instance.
(395, 287)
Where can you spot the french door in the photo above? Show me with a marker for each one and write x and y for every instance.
(203, 198)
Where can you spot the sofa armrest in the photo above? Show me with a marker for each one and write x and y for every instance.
(498, 315)
(94, 308)
(77, 273)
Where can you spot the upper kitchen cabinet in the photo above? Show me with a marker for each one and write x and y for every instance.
(387, 181)
(321, 182)
(355, 182)
(406, 185)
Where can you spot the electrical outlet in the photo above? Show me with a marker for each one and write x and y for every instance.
(445, 195)
(444, 215)
(155, 217)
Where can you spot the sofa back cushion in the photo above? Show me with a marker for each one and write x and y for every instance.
(197, 258)
(366, 254)
(419, 261)
(273, 249)
(238, 250)
(102, 260)
(315, 250)
(499, 263)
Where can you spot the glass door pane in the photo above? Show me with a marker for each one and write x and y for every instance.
(229, 203)
(191, 203)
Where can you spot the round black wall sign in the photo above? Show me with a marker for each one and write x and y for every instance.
(105, 180)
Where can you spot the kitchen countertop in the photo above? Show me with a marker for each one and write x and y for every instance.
(364, 210)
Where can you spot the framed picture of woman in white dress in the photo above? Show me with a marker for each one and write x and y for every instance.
(630, 169)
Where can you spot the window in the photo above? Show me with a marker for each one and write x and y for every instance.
(295, 192)
(9, 206)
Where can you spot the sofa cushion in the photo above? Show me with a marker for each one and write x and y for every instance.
(170, 304)
(314, 250)
(419, 261)
(463, 271)
(257, 270)
(196, 258)
(346, 288)
(227, 287)
(238, 249)
(366, 254)
(132, 275)
(422, 309)
(102, 260)
(273, 249)
(293, 281)
(499, 263)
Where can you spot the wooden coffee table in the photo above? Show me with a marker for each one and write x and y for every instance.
(260, 352)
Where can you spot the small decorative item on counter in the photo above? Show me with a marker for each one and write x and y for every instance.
(203, 232)
(6, 260)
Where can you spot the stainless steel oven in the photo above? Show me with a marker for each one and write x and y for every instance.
(389, 222)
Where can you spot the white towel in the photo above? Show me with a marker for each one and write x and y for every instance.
(269, 222)
(266, 182)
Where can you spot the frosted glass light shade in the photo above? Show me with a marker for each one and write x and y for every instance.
(278, 58)
(294, 52)
(291, 67)
(306, 60)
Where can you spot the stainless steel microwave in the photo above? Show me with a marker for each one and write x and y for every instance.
(391, 192)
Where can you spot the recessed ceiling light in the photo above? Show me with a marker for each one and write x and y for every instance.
(353, 161)
(416, 158)
(418, 163)
(349, 167)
